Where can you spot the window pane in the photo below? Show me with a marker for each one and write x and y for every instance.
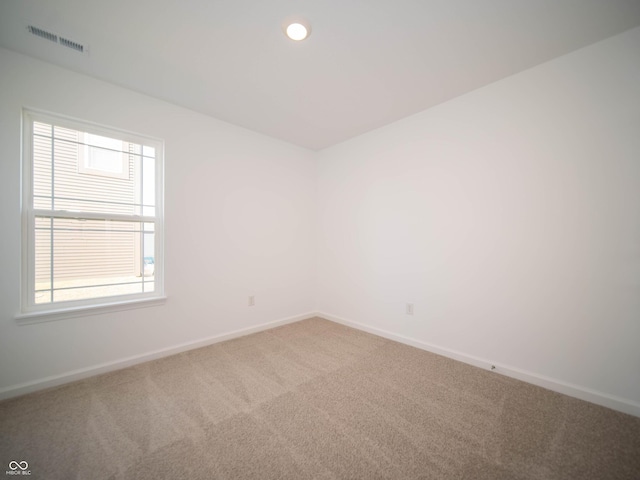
(43, 259)
(149, 182)
(44, 129)
(107, 256)
(148, 151)
(77, 190)
(84, 172)
(104, 160)
(86, 248)
(65, 133)
(103, 142)
(149, 254)
(42, 171)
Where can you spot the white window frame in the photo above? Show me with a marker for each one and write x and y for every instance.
(35, 313)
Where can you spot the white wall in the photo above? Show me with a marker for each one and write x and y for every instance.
(509, 216)
(240, 220)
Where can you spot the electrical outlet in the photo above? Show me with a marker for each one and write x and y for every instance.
(409, 309)
(252, 300)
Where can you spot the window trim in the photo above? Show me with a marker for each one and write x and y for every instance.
(83, 311)
(30, 312)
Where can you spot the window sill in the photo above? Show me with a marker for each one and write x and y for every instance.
(83, 311)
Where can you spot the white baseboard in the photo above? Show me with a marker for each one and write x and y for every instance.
(599, 398)
(56, 380)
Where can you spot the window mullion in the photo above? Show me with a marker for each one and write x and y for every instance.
(92, 216)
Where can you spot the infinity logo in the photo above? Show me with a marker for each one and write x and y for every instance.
(23, 465)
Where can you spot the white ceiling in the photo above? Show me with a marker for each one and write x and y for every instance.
(367, 62)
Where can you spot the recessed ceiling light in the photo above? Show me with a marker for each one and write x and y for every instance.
(296, 29)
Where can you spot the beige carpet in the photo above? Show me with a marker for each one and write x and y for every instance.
(313, 400)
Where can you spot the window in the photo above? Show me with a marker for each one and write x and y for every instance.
(92, 216)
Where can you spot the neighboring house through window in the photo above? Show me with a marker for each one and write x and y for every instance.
(104, 156)
(92, 215)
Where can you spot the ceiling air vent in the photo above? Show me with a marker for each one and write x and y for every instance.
(43, 33)
(65, 42)
(71, 44)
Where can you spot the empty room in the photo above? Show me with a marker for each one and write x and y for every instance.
(364, 239)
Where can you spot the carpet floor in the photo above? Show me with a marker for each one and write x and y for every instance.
(313, 400)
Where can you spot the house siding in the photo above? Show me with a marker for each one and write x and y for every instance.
(82, 249)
